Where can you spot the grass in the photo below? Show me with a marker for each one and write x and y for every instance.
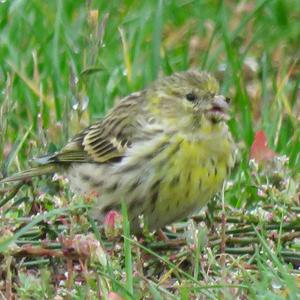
(64, 63)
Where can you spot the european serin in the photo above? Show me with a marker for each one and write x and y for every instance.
(165, 150)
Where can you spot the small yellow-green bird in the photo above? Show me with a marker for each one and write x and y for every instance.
(165, 151)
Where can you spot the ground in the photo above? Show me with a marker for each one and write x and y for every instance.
(64, 63)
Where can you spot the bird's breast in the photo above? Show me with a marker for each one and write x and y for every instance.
(164, 178)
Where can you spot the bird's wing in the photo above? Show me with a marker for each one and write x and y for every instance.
(106, 139)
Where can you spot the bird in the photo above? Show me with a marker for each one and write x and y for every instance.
(165, 151)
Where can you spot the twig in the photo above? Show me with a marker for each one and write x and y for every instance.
(70, 276)
(28, 250)
(8, 285)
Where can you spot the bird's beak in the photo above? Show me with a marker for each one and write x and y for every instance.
(219, 109)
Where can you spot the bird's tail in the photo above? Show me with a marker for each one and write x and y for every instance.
(37, 171)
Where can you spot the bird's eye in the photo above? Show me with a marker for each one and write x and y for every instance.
(191, 97)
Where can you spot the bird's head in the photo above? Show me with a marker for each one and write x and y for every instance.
(188, 99)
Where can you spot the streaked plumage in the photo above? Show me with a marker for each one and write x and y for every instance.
(165, 150)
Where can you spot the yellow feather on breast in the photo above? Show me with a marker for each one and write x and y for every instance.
(193, 171)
